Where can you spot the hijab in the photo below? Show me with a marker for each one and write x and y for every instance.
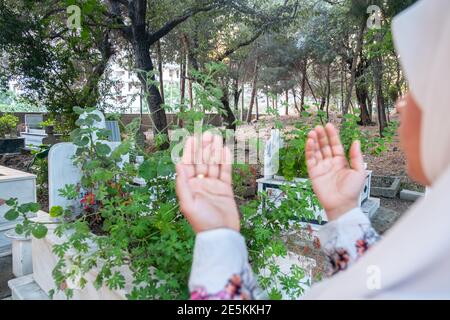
(413, 258)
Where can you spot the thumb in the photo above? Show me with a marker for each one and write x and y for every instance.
(356, 157)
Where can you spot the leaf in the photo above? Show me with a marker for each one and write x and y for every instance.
(29, 207)
(39, 231)
(78, 110)
(147, 170)
(11, 202)
(19, 229)
(56, 211)
(11, 214)
(102, 149)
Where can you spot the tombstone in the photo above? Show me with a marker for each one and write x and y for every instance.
(113, 126)
(33, 135)
(62, 171)
(271, 160)
(33, 121)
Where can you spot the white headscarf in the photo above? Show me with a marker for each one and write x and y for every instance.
(414, 255)
(422, 39)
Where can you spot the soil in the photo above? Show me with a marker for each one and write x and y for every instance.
(382, 182)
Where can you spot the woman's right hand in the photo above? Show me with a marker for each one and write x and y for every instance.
(204, 187)
(336, 184)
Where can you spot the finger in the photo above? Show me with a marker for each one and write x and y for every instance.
(202, 142)
(309, 153)
(335, 142)
(206, 153)
(183, 191)
(188, 151)
(197, 149)
(324, 144)
(188, 158)
(217, 146)
(225, 166)
(317, 154)
(216, 155)
(356, 157)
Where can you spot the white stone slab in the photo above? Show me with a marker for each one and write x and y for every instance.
(21, 254)
(16, 184)
(410, 195)
(5, 246)
(44, 262)
(370, 206)
(25, 288)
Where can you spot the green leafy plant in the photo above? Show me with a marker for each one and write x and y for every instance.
(265, 222)
(39, 165)
(8, 124)
(26, 226)
(292, 154)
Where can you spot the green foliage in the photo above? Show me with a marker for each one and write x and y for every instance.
(292, 155)
(264, 223)
(139, 226)
(25, 226)
(8, 124)
(39, 165)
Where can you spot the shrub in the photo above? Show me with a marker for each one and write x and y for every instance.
(8, 124)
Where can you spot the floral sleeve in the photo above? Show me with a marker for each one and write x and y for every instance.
(220, 268)
(347, 238)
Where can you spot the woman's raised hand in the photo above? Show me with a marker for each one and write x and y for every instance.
(203, 184)
(336, 184)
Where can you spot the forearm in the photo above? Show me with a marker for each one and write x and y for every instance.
(346, 239)
(220, 268)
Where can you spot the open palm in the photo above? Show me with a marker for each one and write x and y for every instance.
(335, 183)
(204, 184)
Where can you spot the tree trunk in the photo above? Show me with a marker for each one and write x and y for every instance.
(190, 61)
(228, 116)
(143, 61)
(295, 100)
(256, 108)
(362, 97)
(160, 70)
(287, 103)
(303, 87)
(182, 83)
(359, 42)
(311, 89)
(153, 97)
(382, 121)
(236, 94)
(342, 83)
(328, 91)
(254, 90)
(242, 113)
(323, 102)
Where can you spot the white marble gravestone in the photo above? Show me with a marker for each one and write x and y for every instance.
(271, 156)
(62, 171)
